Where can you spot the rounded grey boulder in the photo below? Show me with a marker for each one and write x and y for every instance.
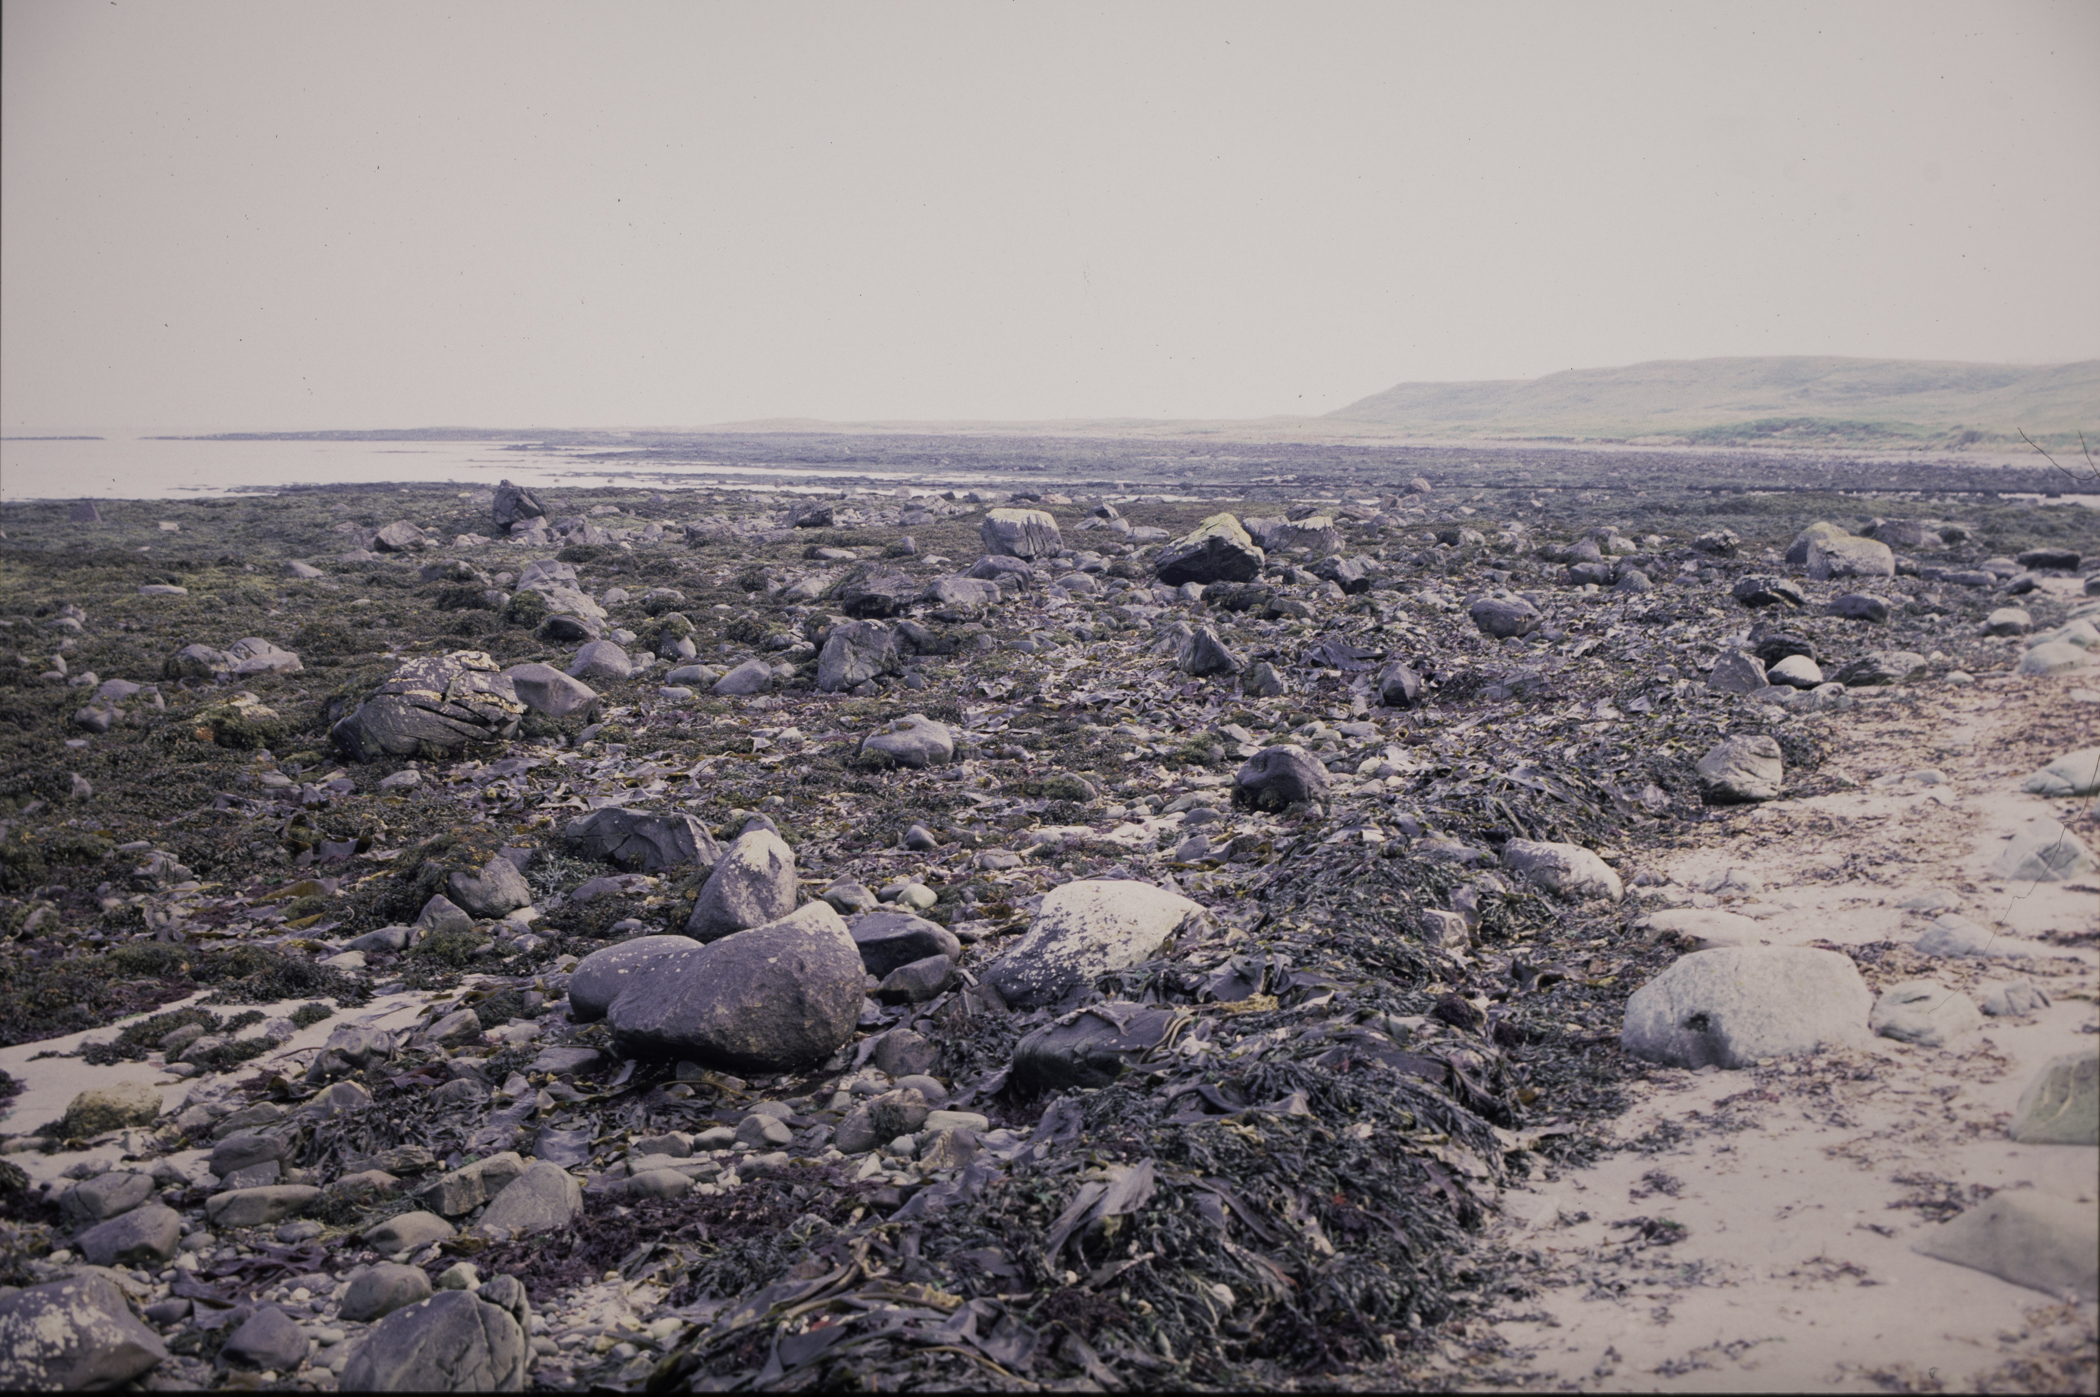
(913, 740)
(1277, 777)
(753, 883)
(1736, 1006)
(452, 1342)
(1084, 929)
(541, 1199)
(73, 1334)
(378, 1291)
(1740, 769)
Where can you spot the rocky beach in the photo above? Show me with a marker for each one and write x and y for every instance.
(1414, 933)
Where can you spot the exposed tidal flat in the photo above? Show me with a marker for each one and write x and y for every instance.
(1010, 935)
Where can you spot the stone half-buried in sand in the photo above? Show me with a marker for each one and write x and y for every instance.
(1088, 928)
(774, 998)
(1736, 1007)
(2027, 1237)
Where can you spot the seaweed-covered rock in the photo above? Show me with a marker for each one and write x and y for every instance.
(1216, 550)
(1091, 1047)
(641, 841)
(777, 997)
(1085, 929)
(99, 1110)
(1020, 533)
(753, 883)
(73, 1334)
(432, 707)
(1277, 777)
(1736, 1006)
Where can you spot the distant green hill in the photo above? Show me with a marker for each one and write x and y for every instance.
(1900, 402)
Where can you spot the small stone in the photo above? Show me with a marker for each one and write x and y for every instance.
(749, 678)
(1796, 671)
(917, 981)
(911, 741)
(1924, 1012)
(2008, 620)
(1503, 617)
(1860, 606)
(1085, 929)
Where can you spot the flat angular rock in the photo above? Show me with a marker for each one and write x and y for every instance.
(1399, 686)
(1952, 935)
(468, 1187)
(1090, 1047)
(1881, 667)
(1860, 606)
(73, 1334)
(1568, 869)
(2073, 774)
(750, 677)
(398, 537)
(2061, 1106)
(1705, 927)
(1737, 673)
(545, 689)
(1924, 1012)
(856, 653)
(913, 740)
(1020, 533)
(515, 503)
(2056, 559)
(255, 655)
(267, 1339)
(254, 1207)
(2044, 852)
(407, 1232)
(777, 997)
(2032, 1239)
(542, 1199)
(432, 707)
(639, 841)
(1849, 556)
(377, 1291)
(144, 1236)
(1768, 591)
(890, 939)
(1736, 1007)
(497, 889)
(1204, 654)
(1278, 777)
(753, 883)
(874, 590)
(917, 981)
(105, 1196)
(961, 594)
(1740, 769)
(1216, 550)
(452, 1342)
(1084, 929)
(1503, 617)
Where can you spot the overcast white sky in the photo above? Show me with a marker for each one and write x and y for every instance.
(269, 216)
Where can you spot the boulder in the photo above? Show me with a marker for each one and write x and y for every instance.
(2073, 774)
(856, 653)
(245, 1149)
(890, 939)
(462, 1190)
(639, 841)
(1399, 686)
(99, 1110)
(1020, 533)
(753, 883)
(2061, 1106)
(914, 740)
(1797, 551)
(453, 1342)
(407, 1232)
(778, 997)
(1743, 768)
(1881, 667)
(1768, 591)
(254, 655)
(1204, 654)
(144, 1236)
(1849, 556)
(2008, 620)
(105, 1196)
(874, 590)
(377, 1291)
(1216, 550)
(2032, 1239)
(541, 1199)
(1567, 869)
(545, 689)
(750, 677)
(1085, 929)
(1796, 672)
(969, 595)
(494, 891)
(514, 503)
(1278, 777)
(1090, 1047)
(1737, 673)
(917, 981)
(1004, 573)
(73, 1334)
(432, 707)
(2044, 852)
(398, 537)
(1924, 1012)
(256, 1207)
(601, 659)
(1951, 935)
(1860, 606)
(1735, 1007)
(2053, 657)
(197, 662)
(1503, 617)
(268, 1339)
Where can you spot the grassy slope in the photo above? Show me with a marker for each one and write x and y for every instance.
(1757, 398)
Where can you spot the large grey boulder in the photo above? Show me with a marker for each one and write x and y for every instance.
(777, 997)
(604, 975)
(2044, 852)
(1737, 672)
(452, 1342)
(398, 537)
(545, 689)
(1086, 929)
(2073, 774)
(874, 590)
(1820, 531)
(105, 1196)
(73, 1334)
(856, 653)
(1204, 654)
(1277, 777)
(2053, 657)
(1924, 1012)
(1216, 550)
(144, 1236)
(541, 1199)
(1568, 869)
(601, 659)
(2033, 1239)
(914, 740)
(1747, 767)
(888, 940)
(514, 503)
(641, 841)
(377, 1291)
(1503, 617)
(268, 1339)
(2061, 1106)
(498, 888)
(1850, 556)
(1734, 1007)
(432, 707)
(749, 678)
(753, 883)
(1020, 533)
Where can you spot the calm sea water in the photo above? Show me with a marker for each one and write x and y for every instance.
(153, 470)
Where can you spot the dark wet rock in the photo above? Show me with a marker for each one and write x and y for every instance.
(1736, 1006)
(145, 1236)
(377, 1291)
(1084, 929)
(1597, 573)
(1217, 550)
(267, 1339)
(71, 1335)
(452, 1342)
(1737, 673)
(432, 707)
(1399, 686)
(105, 1196)
(1502, 617)
(874, 590)
(1633, 580)
(407, 1232)
(1090, 1047)
(514, 503)
(602, 659)
(244, 1149)
(1204, 654)
(1880, 667)
(545, 689)
(541, 1199)
(917, 981)
(1278, 777)
(1352, 575)
(753, 883)
(1718, 543)
(398, 537)
(856, 653)
(1744, 768)
(641, 841)
(913, 740)
(779, 996)
(1003, 572)
(2033, 1239)
(1020, 533)
(2047, 559)
(1263, 681)
(1771, 644)
(1768, 591)
(1860, 606)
